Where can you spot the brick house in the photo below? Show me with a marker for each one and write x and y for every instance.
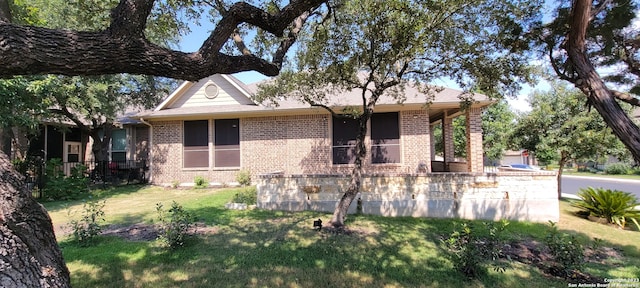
(299, 155)
(212, 128)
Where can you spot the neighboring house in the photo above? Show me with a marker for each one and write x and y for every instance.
(212, 128)
(64, 141)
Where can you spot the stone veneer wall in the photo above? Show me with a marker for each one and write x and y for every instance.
(493, 196)
(284, 144)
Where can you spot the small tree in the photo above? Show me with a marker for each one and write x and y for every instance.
(560, 128)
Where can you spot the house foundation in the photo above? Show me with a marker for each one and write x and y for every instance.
(526, 196)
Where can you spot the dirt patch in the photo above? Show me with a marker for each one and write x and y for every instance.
(135, 232)
(139, 231)
(535, 253)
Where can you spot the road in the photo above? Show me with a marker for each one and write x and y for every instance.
(572, 184)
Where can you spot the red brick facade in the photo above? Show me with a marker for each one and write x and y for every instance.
(284, 144)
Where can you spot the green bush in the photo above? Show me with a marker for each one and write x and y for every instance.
(200, 182)
(473, 247)
(617, 169)
(87, 228)
(248, 195)
(174, 224)
(566, 249)
(243, 177)
(616, 206)
(57, 186)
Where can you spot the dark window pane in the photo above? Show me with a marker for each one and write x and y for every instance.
(385, 154)
(54, 143)
(196, 158)
(227, 143)
(385, 126)
(118, 156)
(344, 155)
(196, 144)
(228, 158)
(119, 140)
(74, 135)
(345, 131)
(227, 132)
(196, 133)
(385, 138)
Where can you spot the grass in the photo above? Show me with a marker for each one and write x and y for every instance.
(589, 174)
(255, 248)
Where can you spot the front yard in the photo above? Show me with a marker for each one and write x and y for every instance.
(254, 248)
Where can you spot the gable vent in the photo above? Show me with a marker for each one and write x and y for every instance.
(211, 91)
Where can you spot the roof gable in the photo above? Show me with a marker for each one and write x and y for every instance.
(215, 90)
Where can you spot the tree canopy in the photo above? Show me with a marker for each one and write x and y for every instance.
(379, 48)
(561, 128)
(587, 38)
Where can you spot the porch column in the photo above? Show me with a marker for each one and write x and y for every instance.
(474, 140)
(447, 139)
(432, 143)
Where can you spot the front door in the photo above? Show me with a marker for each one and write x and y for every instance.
(71, 155)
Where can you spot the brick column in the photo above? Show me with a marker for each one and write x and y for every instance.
(447, 139)
(474, 140)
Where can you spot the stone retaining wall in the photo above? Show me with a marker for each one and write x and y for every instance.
(493, 196)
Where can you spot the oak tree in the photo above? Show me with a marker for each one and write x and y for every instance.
(377, 48)
(30, 255)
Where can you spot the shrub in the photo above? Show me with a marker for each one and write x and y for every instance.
(60, 187)
(248, 195)
(616, 206)
(617, 169)
(200, 182)
(243, 177)
(566, 249)
(471, 248)
(174, 224)
(87, 228)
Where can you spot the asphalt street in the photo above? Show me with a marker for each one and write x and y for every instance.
(572, 184)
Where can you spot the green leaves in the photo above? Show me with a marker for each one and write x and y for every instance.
(616, 206)
(561, 124)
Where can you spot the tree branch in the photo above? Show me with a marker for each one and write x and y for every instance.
(122, 48)
(626, 97)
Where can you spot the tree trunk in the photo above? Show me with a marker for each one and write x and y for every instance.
(591, 84)
(562, 162)
(29, 253)
(340, 214)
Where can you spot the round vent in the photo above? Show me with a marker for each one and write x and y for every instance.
(211, 91)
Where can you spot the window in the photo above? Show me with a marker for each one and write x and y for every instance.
(227, 143)
(385, 138)
(119, 145)
(196, 144)
(345, 131)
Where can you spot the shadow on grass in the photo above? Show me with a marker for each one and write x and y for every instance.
(276, 249)
(259, 248)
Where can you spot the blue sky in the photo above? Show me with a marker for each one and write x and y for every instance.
(192, 41)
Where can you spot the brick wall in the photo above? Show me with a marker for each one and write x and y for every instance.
(285, 144)
(474, 140)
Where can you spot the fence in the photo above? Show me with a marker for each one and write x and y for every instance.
(99, 172)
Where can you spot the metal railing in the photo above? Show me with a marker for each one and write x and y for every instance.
(99, 172)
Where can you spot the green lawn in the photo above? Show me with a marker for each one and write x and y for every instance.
(589, 174)
(257, 248)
